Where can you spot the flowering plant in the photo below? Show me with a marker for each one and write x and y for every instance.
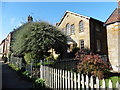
(92, 64)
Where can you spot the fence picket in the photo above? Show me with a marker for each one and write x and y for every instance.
(87, 82)
(117, 85)
(97, 83)
(56, 79)
(66, 83)
(72, 80)
(69, 79)
(110, 84)
(75, 81)
(60, 78)
(50, 76)
(63, 79)
(58, 82)
(103, 84)
(78, 80)
(91, 82)
(82, 82)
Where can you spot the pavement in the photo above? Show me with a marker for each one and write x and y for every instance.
(12, 81)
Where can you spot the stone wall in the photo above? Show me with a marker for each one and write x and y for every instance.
(89, 35)
(113, 36)
(73, 19)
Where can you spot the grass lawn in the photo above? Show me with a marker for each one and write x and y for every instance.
(114, 80)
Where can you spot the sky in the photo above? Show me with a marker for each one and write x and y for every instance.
(15, 13)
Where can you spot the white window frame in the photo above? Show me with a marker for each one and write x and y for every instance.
(81, 26)
(68, 29)
(72, 29)
(82, 44)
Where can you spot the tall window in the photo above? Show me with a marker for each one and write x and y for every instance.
(68, 29)
(72, 29)
(81, 44)
(81, 26)
(98, 45)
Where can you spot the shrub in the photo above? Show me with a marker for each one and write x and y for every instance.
(26, 73)
(29, 57)
(92, 64)
(74, 51)
(39, 83)
(14, 67)
(51, 57)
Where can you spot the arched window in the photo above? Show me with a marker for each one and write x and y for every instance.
(81, 26)
(72, 29)
(68, 29)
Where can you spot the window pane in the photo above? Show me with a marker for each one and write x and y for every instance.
(68, 29)
(72, 29)
(81, 26)
(82, 44)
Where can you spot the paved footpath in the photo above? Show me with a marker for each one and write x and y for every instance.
(11, 80)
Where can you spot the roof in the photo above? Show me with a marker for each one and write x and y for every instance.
(114, 17)
(73, 14)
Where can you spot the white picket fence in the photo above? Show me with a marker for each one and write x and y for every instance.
(63, 79)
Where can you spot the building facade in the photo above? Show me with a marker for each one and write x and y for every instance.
(5, 46)
(84, 32)
(113, 38)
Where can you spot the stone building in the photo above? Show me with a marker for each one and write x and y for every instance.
(113, 38)
(84, 32)
(5, 46)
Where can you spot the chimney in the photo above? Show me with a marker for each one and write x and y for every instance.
(30, 18)
(118, 3)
